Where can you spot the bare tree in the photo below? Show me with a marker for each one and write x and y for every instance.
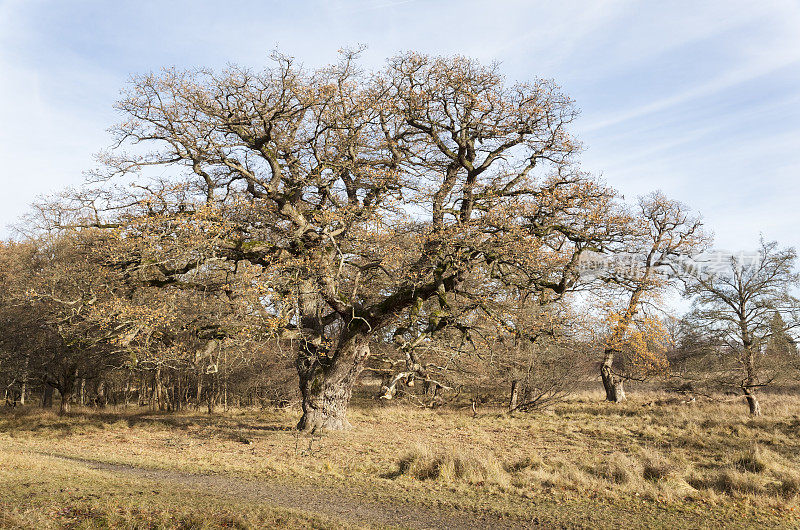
(738, 306)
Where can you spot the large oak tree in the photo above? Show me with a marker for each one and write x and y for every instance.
(339, 200)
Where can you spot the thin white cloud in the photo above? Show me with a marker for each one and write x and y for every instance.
(730, 79)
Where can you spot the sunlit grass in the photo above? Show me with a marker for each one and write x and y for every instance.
(659, 460)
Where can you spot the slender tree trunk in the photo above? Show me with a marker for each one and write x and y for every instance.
(199, 390)
(513, 401)
(750, 353)
(225, 394)
(211, 391)
(177, 396)
(47, 396)
(126, 390)
(24, 385)
(614, 385)
(159, 393)
(326, 388)
(102, 394)
(142, 390)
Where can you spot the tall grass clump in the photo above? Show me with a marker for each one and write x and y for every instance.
(755, 460)
(618, 468)
(451, 467)
(655, 466)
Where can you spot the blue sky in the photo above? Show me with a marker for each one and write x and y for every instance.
(699, 99)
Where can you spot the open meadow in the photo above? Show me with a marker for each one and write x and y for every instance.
(652, 462)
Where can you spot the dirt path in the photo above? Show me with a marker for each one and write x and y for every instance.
(347, 507)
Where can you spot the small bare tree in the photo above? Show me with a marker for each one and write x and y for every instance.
(738, 306)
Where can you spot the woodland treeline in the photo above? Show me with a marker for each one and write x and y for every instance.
(261, 238)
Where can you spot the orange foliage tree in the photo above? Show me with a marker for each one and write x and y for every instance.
(663, 232)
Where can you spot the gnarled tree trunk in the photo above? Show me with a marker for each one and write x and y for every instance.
(614, 385)
(326, 384)
(66, 397)
(752, 402)
(66, 387)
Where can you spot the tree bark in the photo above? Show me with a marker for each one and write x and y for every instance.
(127, 394)
(66, 387)
(750, 353)
(47, 396)
(512, 402)
(752, 402)
(755, 407)
(101, 395)
(66, 396)
(141, 394)
(24, 384)
(326, 384)
(159, 392)
(614, 385)
(211, 392)
(199, 390)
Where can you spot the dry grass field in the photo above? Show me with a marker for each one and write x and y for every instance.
(653, 462)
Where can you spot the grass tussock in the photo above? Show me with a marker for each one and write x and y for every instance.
(452, 468)
(618, 468)
(526, 462)
(657, 467)
(729, 481)
(754, 460)
(790, 485)
(755, 473)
